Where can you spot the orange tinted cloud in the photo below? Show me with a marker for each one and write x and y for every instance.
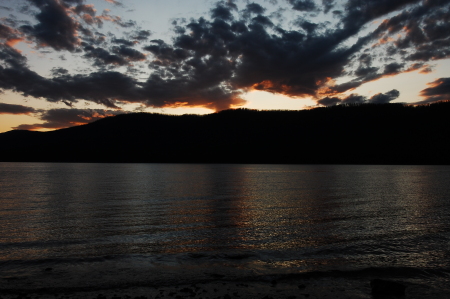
(426, 70)
(15, 109)
(14, 41)
(438, 90)
(325, 87)
(64, 118)
(383, 40)
(202, 101)
(281, 88)
(114, 2)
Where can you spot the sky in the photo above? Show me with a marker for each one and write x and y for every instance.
(70, 62)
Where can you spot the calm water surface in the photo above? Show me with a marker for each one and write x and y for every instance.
(100, 224)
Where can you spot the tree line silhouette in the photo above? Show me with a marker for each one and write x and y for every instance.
(342, 134)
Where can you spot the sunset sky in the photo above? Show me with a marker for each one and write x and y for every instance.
(69, 62)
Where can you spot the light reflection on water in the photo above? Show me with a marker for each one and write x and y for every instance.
(254, 217)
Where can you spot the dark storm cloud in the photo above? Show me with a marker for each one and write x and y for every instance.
(11, 57)
(166, 53)
(289, 63)
(329, 101)
(15, 109)
(60, 23)
(162, 89)
(102, 56)
(212, 61)
(309, 27)
(365, 73)
(380, 98)
(351, 99)
(183, 78)
(55, 28)
(439, 91)
(125, 24)
(228, 3)
(7, 32)
(423, 25)
(222, 11)
(303, 5)
(354, 99)
(100, 87)
(59, 71)
(254, 8)
(122, 55)
(436, 50)
(5, 8)
(10, 36)
(64, 118)
(122, 42)
(360, 12)
(425, 28)
(384, 98)
(262, 20)
(72, 2)
(141, 35)
(393, 68)
(129, 53)
(327, 5)
(85, 9)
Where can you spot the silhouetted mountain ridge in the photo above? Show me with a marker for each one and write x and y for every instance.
(344, 134)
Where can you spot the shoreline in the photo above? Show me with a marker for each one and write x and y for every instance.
(289, 288)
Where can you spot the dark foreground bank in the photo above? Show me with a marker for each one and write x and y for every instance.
(354, 134)
(313, 287)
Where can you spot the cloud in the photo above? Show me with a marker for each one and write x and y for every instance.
(105, 16)
(129, 53)
(425, 31)
(213, 60)
(354, 99)
(102, 56)
(104, 88)
(327, 5)
(114, 2)
(252, 9)
(6, 8)
(329, 101)
(439, 90)
(122, 41)
(384, 98)
(7, 33)
(222, 11)
(87, 9)
(367, 74)
(122, 55)
(380, 98)
(64, 118)
(55, 28)
(351, 99)
(359, 12)
(141, 35)
(15, 109)
(303, 5)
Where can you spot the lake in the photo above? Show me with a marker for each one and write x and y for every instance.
(128, 224)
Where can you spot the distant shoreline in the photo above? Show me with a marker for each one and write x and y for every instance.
(388, 134)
